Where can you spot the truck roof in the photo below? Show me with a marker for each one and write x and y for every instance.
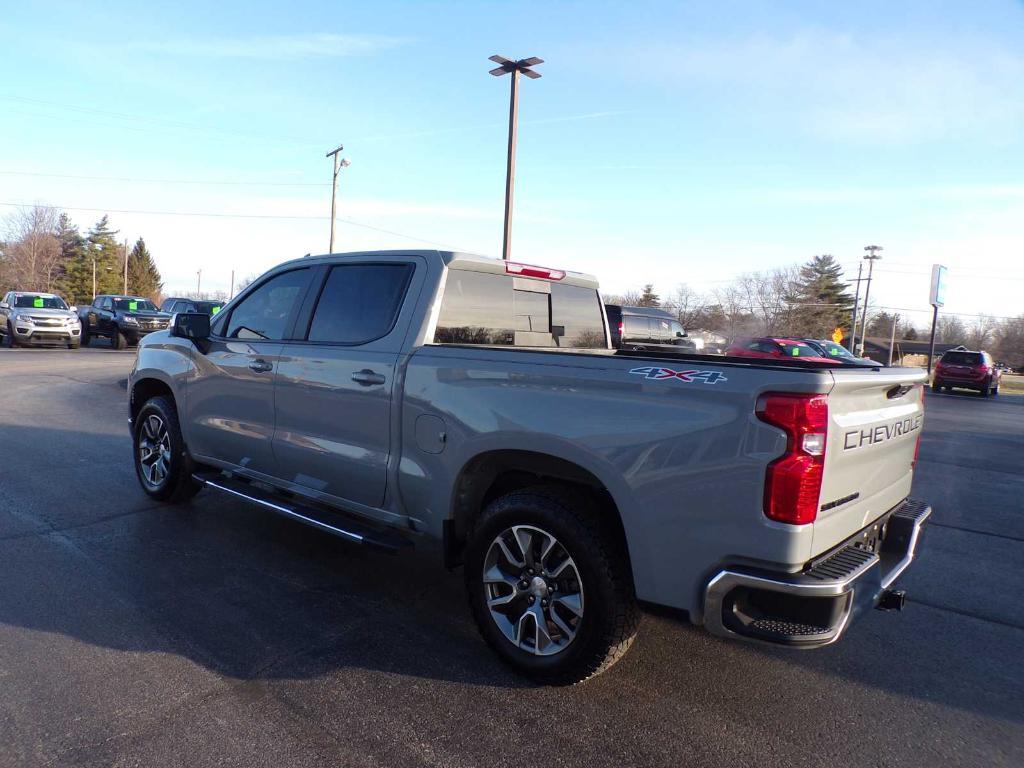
(468, 261)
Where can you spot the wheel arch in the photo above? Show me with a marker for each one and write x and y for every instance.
(144, 389)
(494, 473)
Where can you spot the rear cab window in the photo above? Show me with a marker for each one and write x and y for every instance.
(505, 310)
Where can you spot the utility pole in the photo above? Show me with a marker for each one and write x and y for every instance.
(94, 278)
(231, 293)
(338, 165)
(126, 266)
(892, 337)
(856, 301)
(871, 258)
(514, 68)
(199, 277)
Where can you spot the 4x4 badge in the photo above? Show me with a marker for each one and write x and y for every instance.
(708, 377)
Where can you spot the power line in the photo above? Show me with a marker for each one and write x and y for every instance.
(254, 183)
(446, 246)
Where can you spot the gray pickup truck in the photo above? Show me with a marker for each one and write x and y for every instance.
(391, 398)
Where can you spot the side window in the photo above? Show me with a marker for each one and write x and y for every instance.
(359, 303)
(636, 327)
(265, 312)
(107, 304)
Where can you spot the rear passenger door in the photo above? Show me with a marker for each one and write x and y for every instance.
(336, 380)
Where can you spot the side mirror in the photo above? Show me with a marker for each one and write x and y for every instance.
(72, 308)
(191, 325)
(681, 334)
(4, 305)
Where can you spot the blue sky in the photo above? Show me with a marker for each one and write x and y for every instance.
(665, 143)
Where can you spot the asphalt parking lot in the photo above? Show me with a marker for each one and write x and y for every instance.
(216, 634)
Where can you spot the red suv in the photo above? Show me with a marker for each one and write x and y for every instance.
(773, 349)
(967, 370)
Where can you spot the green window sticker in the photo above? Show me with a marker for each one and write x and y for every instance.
(796, 351)
(215, 310)
(37, 302)
(133, 305)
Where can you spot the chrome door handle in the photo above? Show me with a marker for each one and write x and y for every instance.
(261, 366)
(367, 378)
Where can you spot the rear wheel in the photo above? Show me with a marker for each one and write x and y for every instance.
(162, 463)
(936, 387)
(550, 585)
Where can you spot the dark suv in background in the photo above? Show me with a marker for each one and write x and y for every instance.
(175, 304)
(967, 369)
(647, 329)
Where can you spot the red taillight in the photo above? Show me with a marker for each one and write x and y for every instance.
(529, 270)
(917, 444)
(793, 482)
(622, 327)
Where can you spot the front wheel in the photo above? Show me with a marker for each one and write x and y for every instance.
(162, 463)
(118, 340)
(84, 338)
(550, 585)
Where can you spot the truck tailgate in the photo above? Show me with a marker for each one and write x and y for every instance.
(875, 420)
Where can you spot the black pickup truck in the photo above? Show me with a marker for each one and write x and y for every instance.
(122, 319)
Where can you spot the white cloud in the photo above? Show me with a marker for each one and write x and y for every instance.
(280, 47)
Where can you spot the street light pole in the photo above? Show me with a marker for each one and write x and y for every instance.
(871, 258)
(856, 302)
(126, 266)
(514, 68)
(339, 163)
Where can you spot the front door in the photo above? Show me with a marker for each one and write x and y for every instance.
(230, 396)
(335, 382)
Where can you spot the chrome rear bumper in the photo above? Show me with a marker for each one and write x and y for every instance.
(814, 607)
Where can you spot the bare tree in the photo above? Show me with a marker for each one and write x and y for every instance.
(1009, 341)
(687, 304)
(950, 330)
(980, 334)
(32, 255)
(625, 299)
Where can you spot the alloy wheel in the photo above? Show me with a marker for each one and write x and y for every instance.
(154, 451)
(533, 590)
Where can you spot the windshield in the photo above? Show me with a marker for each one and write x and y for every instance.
(134, 305)
(39, 302)
(834, 350)
(796, 349)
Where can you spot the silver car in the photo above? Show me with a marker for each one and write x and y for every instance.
(38, 318)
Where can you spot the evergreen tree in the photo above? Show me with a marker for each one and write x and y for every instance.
(649, 297)
(827, 305)
(143, 276)
(72, 251)
(99, 246)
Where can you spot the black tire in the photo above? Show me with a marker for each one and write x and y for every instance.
(176, 484)
(936, 387)
(9, 341)
(610, 616)
(118, 340)
(84, 338)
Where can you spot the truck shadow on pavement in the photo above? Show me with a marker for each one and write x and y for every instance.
(254, 597)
